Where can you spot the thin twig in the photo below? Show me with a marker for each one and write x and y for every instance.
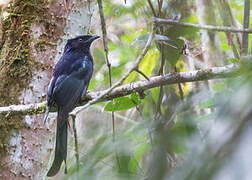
(162, 65)
(160, 5)
(160, 21)
(144, 75)
(152, 8)
(161, 73)
(76, 146)
(90, 14)
(244, 50)
(160, 99)
(118, 83)
(181, 93)
(105, 45)
(232, 44)
(105, 38)
(139, 86)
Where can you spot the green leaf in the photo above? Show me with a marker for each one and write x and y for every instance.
(137, 133)
(207, 104)
(233, 60)
(155, 94)
(219, 87)
(204, 117)
(112, 46)
(192, 19)
(147, 65)
(131, 78)
(149, 61)
(135, 98)
(225, 47)
(172, 51)
(139, 152)
(143, 37)
(122, 103)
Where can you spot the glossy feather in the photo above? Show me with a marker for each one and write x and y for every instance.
(69, 83)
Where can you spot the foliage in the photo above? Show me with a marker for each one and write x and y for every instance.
(193, 138)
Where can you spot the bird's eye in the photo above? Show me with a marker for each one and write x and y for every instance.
(80, 40)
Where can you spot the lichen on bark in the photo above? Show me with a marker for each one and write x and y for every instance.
(15, 60)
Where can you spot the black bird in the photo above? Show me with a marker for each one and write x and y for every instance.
(69, 83)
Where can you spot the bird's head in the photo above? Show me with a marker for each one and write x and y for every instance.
(81, 42)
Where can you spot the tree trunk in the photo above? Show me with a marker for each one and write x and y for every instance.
(32, 35)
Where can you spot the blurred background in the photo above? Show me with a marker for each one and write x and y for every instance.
(197, 130)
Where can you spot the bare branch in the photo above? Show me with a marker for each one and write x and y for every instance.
(160, 21)
(144, 75)
(181, 93)
(105, 38)
(105, 44)
(139, 86)
(244, 50)
(76, 149)
(152, 8)
(162, 59)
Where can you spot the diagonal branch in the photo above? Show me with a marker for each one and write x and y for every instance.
(152, 8)
(139, 86)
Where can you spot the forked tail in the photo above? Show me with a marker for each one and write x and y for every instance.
(61, 143)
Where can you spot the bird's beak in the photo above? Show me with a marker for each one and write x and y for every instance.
(93, 38)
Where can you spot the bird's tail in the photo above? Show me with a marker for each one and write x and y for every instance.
(61, 143)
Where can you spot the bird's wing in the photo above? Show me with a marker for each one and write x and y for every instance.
(50, 89)
(68, 88)
(49, 97)
(68, 91)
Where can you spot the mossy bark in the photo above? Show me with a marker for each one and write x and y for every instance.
(15, 63)
(29, 36)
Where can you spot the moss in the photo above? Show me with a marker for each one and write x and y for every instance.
(16, 63)
(42, 44)
(39, 109)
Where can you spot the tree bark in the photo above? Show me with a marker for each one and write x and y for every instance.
(33, 33)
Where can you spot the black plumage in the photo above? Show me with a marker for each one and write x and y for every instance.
(69, 83)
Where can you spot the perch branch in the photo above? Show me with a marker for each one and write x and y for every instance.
(139, 86)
